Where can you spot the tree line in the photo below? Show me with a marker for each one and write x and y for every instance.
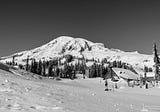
(54, 68)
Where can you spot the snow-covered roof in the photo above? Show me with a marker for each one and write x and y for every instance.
(139, 71)
(127, 74)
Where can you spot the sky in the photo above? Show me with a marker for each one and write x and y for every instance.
(128, 25)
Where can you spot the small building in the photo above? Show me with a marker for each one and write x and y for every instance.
(150, 77)
(125, 74)
(124, 77)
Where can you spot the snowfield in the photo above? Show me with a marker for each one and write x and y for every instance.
(21, 92)
(80, 48)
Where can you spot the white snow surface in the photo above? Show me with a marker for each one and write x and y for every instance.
(81, 48)
(24, 92)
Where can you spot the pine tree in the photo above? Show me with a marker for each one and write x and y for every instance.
(31, 69)
(20, 66)
(156, 61)
(145, 74)
(69, 71)
(150, 69)
(27, 63)
(93, 71)
(155, 53)
(50, 70)
(34, 66)
(61, 73)
(74, 72)
(146, 69)
(44, 68)
(13, 60)
(39, 68)
(114, 64)
(57, 72)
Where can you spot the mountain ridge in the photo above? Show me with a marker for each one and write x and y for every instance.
(79, 47)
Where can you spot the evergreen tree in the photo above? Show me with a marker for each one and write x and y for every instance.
(44, 68)
(114, 64)
(74, 73)
(50, 70)
(31, 69)
(146, 69)
(93, 71)
(156, 61)
(39, 68)
(20, 66)
(34, 66)
(57, 72)
(69, 71)
(150, 69)
(61, 73)
(13, 60)
(27, 63)
(155, 53)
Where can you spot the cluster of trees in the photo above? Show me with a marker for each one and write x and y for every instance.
(120, 64)
(98, 70)
(54, 68)
(10, 63)
(13, 63)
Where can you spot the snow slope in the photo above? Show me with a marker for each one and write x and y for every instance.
(18, 93)
(80, 48)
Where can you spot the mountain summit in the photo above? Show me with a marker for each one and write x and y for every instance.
(80, 48)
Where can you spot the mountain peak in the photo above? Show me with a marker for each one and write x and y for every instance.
(64, 38)
(61, 39)
(79, 47)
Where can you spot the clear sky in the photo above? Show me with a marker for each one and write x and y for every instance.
(129, 25)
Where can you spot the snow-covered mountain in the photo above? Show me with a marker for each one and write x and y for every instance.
(80, 48)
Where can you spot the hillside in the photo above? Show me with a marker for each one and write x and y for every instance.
(22, 94)
(80, 48)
